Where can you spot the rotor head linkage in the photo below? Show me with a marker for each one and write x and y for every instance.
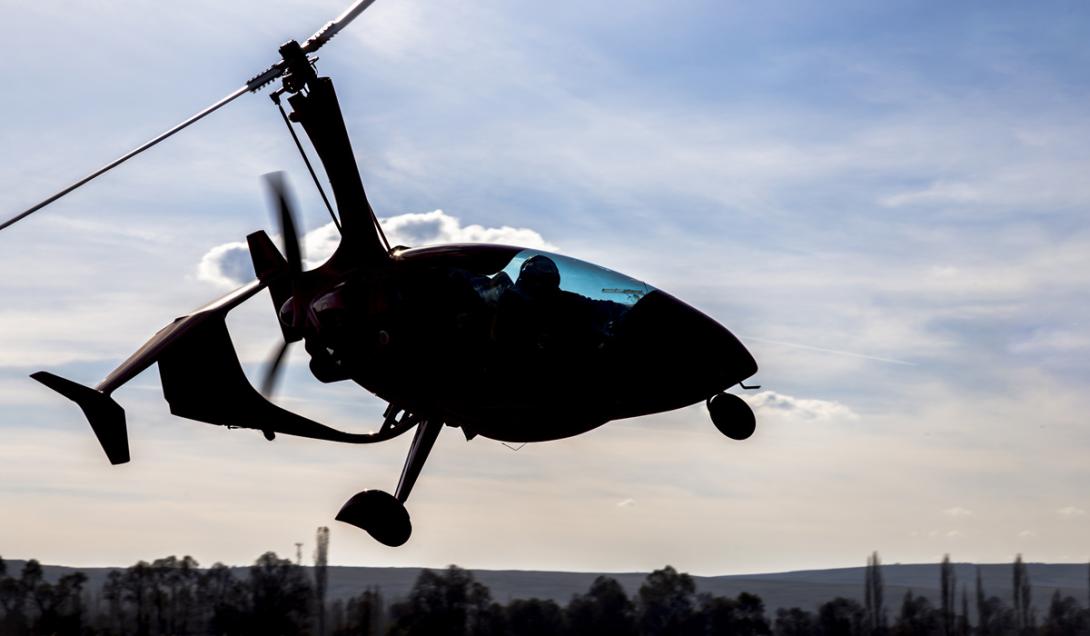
(299, 67)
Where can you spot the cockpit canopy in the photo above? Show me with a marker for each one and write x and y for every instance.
(500, 266)
(583, 278)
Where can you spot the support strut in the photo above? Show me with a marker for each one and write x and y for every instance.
(423, 440)
(383, 515)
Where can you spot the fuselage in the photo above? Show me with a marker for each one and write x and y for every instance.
(516, 344)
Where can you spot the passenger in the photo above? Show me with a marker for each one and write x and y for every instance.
(490, 289)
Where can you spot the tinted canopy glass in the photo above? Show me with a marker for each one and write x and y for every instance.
(585, 279)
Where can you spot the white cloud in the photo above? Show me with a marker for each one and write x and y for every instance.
(1052, 341)
(808, 409)
(1027, 534)
(1070, 512)
(958, 511)
(626, 503)
(228, 265)
(851, 354)
(938, 192)
(427, 228)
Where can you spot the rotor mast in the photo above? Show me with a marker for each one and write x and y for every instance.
(315, 107)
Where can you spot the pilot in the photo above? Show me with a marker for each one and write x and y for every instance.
(538, 277)
(553, 336)
(535, 317)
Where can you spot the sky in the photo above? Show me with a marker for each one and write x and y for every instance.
(887, 202)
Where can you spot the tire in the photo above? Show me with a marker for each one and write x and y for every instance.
(380, 514)
(732, 416)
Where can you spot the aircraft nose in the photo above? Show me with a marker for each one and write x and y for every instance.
(678, 352)
(707, 347)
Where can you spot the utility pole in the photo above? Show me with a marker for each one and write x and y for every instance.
(321, 574)
(948, 585)
(873, 596)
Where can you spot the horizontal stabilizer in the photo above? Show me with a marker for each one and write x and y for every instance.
(106, 416)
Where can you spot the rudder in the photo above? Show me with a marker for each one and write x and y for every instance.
(106, 416)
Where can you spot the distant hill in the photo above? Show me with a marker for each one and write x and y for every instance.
(805, 588)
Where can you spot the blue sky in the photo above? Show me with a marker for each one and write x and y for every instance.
(887, 202)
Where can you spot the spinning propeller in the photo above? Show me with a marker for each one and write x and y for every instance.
(259, 81)
(292, 315)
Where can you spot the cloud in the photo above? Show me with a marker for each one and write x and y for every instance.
(1026, 534)
(851, 354)
(1052, 341)
(1071, 512)
(938, 192)
(228, 265)
(808, 409)
(439, 227)
(958, 511)
(626, 503)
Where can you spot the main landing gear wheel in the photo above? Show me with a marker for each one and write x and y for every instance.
(732, 416)
(383, 515)
(380, 514)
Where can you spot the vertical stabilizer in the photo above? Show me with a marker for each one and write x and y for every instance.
(107, 418)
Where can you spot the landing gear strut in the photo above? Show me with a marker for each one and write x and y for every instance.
(732, 416)
(383, 515)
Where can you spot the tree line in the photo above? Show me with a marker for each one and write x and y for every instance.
(173, 596)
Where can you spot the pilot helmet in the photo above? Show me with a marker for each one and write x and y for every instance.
(538, 275)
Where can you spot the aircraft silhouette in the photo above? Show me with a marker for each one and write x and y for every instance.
(506, 343)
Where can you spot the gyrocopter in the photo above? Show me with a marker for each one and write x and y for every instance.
(511, 344)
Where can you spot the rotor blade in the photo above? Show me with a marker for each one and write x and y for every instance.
(272, 371)
(327, 32)
(293, 251)
(120, 160)
(312, 44)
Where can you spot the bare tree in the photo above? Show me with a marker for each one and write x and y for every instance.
(963, 621)
(981, 604)
(113, 592)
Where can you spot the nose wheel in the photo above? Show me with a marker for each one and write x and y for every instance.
(732, 416)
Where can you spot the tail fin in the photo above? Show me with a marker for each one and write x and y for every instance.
(106, 416)
(270, 268)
